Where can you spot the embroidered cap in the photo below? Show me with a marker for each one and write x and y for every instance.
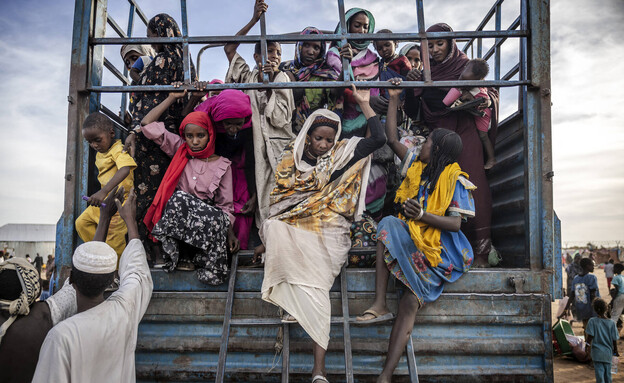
(323, 121)
(95, 258)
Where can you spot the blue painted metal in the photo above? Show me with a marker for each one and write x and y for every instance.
(558, 268)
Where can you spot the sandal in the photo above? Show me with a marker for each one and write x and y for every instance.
(319, 378)
(377, 318)
(289, 319)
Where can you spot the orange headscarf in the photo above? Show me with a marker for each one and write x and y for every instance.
(177, 165)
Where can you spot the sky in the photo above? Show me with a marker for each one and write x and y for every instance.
(587, 91)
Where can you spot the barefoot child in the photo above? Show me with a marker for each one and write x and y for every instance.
(476, 69)
(192, 210)
(115, 167)
(423, 247)
(602, 336)
(272, 109)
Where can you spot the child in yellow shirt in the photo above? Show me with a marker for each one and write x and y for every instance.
(115, 167)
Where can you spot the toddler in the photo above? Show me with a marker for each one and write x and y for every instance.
(115, 167)
(476, 69)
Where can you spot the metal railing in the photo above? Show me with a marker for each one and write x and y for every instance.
(518, 29)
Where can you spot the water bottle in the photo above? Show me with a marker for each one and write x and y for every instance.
(614, 364)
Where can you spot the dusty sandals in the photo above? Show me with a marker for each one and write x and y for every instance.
(377, 318)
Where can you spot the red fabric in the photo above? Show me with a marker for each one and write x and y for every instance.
(177, 165)
(230, 103)
(400, 65)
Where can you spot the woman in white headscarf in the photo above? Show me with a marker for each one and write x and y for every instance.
(320, 189)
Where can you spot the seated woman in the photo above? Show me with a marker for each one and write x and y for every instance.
(309, 65)
(447, 64)
(230, 112)
(192, 210)
(319, 192)
(422, 247)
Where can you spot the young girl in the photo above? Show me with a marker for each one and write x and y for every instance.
(193, 207)
(422, 247)
(230, 112)
(318, 194)
(309, 64)
(412, 52)
(602, 336)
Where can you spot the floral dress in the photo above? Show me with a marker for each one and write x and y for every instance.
(410, 266)
(166, 68)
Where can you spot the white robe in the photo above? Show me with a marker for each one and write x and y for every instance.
(98, 345)
(272, 128)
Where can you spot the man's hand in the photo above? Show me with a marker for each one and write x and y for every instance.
(111, 207)
(127, 211)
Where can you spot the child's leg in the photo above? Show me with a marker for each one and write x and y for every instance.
(603, 372)
(488, 148)
(86, 223)
(401, 332)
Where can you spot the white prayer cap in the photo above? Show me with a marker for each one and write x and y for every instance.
(95, 258)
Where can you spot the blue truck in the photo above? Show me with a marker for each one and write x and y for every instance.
(494, 324)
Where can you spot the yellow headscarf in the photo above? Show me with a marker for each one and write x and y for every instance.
(425, 237)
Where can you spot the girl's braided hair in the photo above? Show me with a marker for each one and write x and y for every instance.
(445, 149)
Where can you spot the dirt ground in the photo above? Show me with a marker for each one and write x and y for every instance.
(568, 370)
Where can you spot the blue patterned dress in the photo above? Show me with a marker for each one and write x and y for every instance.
(409, 265)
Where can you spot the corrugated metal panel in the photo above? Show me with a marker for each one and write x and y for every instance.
(507, 182)
(497, 337)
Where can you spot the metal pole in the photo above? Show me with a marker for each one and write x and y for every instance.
(124, 96)
(497, 48)
(185, 46)
(424, 43)
(263, 47)
(346, 64)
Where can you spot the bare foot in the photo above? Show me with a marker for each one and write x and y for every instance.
(490, 164)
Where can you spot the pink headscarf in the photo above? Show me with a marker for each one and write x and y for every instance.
(230, 103)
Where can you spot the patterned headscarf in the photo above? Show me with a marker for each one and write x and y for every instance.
(360, 45)
(318, 68)
(31, 290)
(165, 26)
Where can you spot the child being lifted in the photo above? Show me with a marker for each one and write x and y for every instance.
(272, 109)
(114, 168)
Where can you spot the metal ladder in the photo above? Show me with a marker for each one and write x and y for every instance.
(228, 322)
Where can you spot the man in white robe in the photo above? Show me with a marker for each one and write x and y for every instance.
(98, 343)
